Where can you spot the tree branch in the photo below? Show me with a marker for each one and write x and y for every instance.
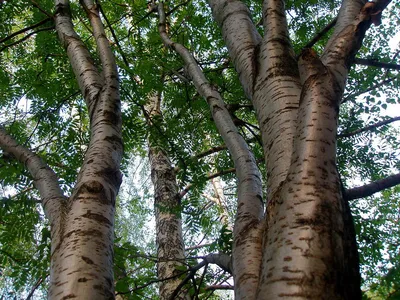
(241, 38)
(224, 261)
(354, 19)
(372, 188)
(219, 287)
(121, 52)
(378, 85)
(45, 180)
(35, 4)
(320, 34)
(198, 246)
(87, 75)
(217, 174)
(26, 37)
(24, 30)
(370, 127)
(215, 150)
(37, 284)
(177, 7)
(374, 63)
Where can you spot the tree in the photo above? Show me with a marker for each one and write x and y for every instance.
(293, 233)
(82, 225)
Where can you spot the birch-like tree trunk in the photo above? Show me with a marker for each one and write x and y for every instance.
(246, 257)
(308, 242)
(169, 239)
(82, 225)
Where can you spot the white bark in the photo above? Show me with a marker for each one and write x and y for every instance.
(82, 265)
(276, 94)
(241, 38)
(307, 215)
(45, 180)
(308, 250)
(268, 73)
(247, 237)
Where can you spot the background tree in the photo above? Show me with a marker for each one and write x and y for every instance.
(34, 65)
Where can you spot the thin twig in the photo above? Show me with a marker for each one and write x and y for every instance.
(378, 85)
(176, 7)
(320, 34)
(370, 127)
(26, 37)
(35, 4)
(114, 37)
(24, 30)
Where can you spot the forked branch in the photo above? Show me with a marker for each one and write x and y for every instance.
(320, 34)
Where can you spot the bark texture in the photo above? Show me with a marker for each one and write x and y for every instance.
(82, 248)
(169, 239)
(82, 225)
(309, 249)
(247, 237)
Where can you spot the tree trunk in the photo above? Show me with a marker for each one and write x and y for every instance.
(169, 239)
(309, 249)
(247, 231)
(82, 225)
(82, 261)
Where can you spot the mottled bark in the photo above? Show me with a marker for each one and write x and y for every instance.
(268, 73)
(247, 237)
(309, 249)
(169, 239)
(82, 226)
(82, 260)
(304, 251)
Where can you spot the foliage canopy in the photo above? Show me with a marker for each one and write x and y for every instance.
(41, 107)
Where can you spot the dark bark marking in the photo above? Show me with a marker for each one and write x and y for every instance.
(255, 64)
(113, 139)
(96, 188)
(87, 260)
(83, 233)
(97, 287)
(301, 295)
(105, 291)
(109, 281)
(63, 10)
(112, 117)
(70, 296)
(97, 217)
(112, 176)
(82, 279)
(60, 283)
(241, 238)
(92, 186)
